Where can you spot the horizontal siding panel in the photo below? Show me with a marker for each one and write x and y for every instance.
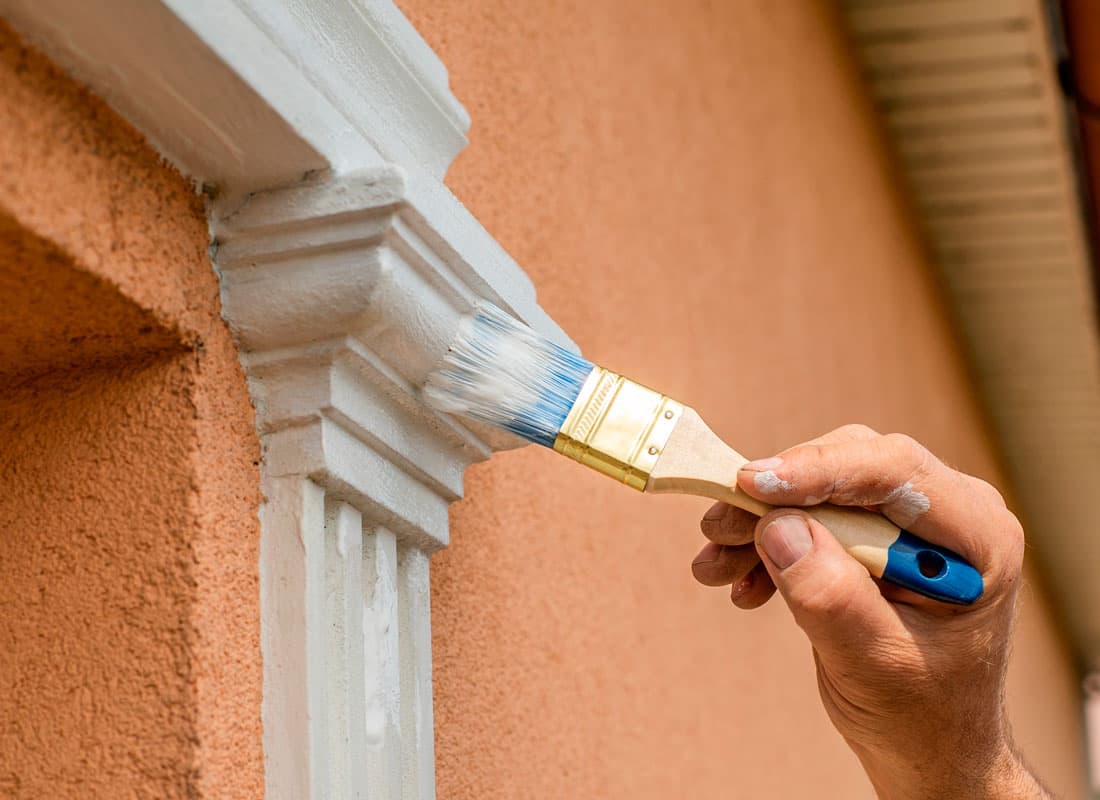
(935, 51)
(977, 180)
(933, 18)
(902, 118)
(993, 84)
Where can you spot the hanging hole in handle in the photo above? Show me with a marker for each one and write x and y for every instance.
(931, 564)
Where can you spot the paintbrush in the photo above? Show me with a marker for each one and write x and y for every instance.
(497, 370)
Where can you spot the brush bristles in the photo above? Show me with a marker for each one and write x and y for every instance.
(499, 371)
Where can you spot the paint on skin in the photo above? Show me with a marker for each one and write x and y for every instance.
(767, 482)
(907, 504)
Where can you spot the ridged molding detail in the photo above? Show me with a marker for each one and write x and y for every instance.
(343, 295)
(343, 292)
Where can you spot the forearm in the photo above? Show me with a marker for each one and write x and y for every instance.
(1003, 777)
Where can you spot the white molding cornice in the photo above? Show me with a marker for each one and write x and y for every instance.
(368, 61)
(250, 94)
(343, 296)
(322, 130)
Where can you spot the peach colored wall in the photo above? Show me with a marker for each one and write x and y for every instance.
(129, 621)
(700, 193)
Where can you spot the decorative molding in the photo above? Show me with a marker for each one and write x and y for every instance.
(251, 94)
(322, 130)
(342, 297)
(368, 60)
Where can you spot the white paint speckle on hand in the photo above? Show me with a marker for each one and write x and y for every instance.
(905, 505)
(767, 482)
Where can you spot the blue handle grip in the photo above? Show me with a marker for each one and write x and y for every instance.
(932, 570)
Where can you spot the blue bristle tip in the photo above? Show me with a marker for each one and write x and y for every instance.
(501, 372)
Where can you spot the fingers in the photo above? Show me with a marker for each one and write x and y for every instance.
(736, 567)
(906, 483)
(846, 433)
(719, 566)
(726, 524)
(831, 596)
(755, 589)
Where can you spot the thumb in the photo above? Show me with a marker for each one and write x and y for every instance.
(832, 597)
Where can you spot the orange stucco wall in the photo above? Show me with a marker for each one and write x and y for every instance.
(702, 197)
(129, 621)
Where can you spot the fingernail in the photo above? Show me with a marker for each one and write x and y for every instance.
(741, 587)
(786, 539)
(715, 513)
(707, 557)
(763, 464)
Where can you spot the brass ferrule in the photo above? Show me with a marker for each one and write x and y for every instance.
(618, 427)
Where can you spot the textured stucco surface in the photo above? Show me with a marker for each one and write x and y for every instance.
(701, 195)
(129, 623)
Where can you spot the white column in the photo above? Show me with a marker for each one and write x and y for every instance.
(344, 653)
(414, 604)
(381, 665)
(291, 598)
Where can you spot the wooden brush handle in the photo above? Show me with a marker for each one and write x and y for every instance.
(696, 462)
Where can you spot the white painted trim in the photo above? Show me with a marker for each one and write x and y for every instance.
(323, 129)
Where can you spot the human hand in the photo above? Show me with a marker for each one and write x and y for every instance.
(915, 687)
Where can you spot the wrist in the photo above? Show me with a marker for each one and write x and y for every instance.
(998, 774)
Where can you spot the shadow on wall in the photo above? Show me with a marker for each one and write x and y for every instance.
(95, 585)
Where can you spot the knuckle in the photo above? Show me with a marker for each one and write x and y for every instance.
(990, 492)
(826, 598)
(905, 446)
(1015, 543)
(819, 605)
(856, 430)
(906, 450)
(807, 452)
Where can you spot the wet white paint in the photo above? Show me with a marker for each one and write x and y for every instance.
(380, 651)
(375, 716)
(767, 482)
(342, 540)
(905, 505)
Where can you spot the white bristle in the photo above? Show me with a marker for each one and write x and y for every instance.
(499, 371)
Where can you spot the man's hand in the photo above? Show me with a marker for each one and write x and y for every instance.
(916, 687)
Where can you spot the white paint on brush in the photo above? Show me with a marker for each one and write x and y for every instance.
(767, 482)
(905, 504)
(500, 371)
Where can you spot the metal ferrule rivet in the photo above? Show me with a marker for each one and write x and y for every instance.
(617, 427)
